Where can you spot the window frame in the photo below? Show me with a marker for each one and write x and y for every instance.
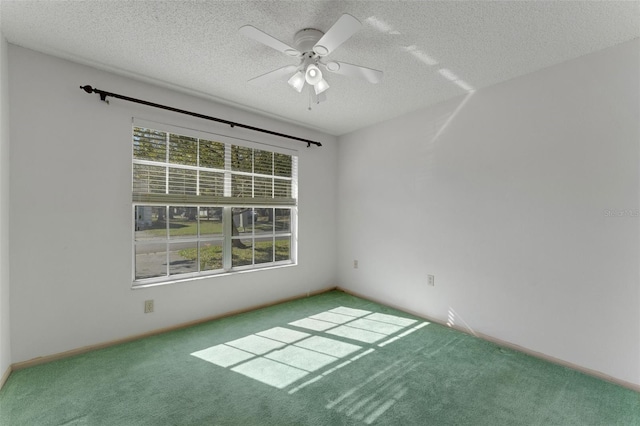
(226, 202)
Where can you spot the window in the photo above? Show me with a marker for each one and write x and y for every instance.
(205, 207)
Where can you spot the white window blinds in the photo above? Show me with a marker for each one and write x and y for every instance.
(177, 169)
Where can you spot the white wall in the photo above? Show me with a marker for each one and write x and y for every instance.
(5, 336)
(71, 211)
(502, 196)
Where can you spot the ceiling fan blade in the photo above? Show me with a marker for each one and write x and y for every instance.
(266, 39)
(368, 74)
(341, 31)
(274, 75)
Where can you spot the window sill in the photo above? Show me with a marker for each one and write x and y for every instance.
(139, 285)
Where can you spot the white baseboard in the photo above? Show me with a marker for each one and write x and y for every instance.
(499, 342)
(61, 355)
(5, 376)
(505, 344)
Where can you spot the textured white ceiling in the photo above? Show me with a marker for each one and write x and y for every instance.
(195, 45)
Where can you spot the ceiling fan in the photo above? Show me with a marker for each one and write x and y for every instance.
(312, 47)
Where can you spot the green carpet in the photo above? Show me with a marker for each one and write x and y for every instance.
(331, 359)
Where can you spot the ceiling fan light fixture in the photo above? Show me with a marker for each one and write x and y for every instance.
(313, 74)
(333, 66)
(320, 50)
(311, 47)
(321, 86)
(297, 81)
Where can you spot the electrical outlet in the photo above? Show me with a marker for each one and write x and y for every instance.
(432, 280)
(148, 306)
(355, 264)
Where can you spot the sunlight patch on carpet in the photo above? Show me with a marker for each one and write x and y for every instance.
(223, 355)
(376, 326)
(349, 311)
(328, 346)
(256, 344)
(404, 333)
(282, 334)
(301, 358)
(392, 319)
(313, 324)
(332, 317)
(280, 356)
(270, 372)
(372, 398)
(326, 373)
(356, 334)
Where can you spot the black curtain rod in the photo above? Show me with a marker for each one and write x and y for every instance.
(103, 97)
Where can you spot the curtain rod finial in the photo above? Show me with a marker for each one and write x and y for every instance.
(87, 88)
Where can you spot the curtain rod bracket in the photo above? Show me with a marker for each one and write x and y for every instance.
(103, 97)
(89, 89)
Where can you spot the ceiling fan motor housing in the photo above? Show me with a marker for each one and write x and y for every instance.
(306, 39)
